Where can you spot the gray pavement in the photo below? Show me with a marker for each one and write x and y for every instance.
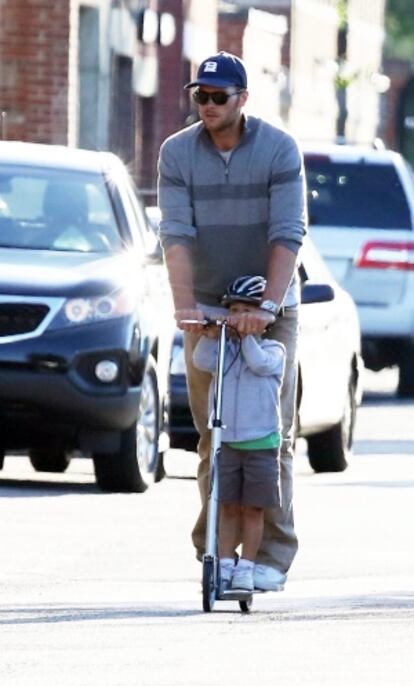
(104, 589)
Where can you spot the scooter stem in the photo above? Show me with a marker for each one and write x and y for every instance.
(212, 511)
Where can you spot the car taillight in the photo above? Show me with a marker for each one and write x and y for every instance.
(387, 255)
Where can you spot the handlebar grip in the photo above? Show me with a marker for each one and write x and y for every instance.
(204, 322)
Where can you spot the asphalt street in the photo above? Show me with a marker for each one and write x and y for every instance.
(104, 590)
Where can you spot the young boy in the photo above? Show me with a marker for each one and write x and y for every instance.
(248, 463)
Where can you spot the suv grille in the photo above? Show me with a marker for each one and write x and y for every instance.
(20, 318)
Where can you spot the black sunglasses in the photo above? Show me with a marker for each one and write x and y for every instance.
(218, 97)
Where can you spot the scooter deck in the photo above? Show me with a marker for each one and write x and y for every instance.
(237, 594)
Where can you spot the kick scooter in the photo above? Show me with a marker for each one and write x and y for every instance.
(211, 566)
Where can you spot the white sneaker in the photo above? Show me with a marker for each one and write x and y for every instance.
(226, 574)
(242, 580)
(268, 578)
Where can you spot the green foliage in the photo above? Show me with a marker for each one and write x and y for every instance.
(399, 26)
(344, 77)
(343, 13)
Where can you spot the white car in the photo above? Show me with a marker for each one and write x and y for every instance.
(361, 215)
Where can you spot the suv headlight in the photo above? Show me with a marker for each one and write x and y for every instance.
(87, 310)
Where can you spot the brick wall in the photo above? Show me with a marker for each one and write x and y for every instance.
(231, 28)
(171, 81)
(159, 116)
(34, 40)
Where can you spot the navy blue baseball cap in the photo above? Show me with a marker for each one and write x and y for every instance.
(222, 71)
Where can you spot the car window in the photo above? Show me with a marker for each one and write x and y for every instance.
(355, 194)
(56, 210)
(134, 214)
(147, 234)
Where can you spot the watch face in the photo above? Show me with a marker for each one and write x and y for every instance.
(269, 306)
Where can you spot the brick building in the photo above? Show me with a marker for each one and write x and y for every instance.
(54, 71)
(330, 75)
(101, 74)
(109, 74)
(149, 70)
(34, 73)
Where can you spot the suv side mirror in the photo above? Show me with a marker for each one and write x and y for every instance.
(316, 293)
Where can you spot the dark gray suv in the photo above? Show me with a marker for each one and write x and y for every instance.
(85, 317)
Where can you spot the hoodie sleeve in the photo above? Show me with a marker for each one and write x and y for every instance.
(287, 197)
(205, 354)
(264, 358)
(176, 225)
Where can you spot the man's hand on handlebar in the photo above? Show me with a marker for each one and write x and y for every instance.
(253, 322)
(194, 315)
(189, 320)
(246, 323)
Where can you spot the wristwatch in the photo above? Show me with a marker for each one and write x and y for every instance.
(270, 306)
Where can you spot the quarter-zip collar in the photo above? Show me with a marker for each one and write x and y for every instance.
(250, 125)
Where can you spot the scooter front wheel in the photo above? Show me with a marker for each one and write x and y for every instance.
(209, 586)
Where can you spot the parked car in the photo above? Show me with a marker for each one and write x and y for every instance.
(361, 213)
(330, 366)
(86, 323)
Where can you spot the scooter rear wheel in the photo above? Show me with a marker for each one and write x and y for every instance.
(245, 605)
(209, 590)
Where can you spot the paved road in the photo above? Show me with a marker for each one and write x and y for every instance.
(104, 589)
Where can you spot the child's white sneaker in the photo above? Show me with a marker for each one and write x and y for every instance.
(226, 573)
(242, 579)
(225, 578)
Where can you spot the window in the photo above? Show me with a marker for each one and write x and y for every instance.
(52, 209)
(355, 194)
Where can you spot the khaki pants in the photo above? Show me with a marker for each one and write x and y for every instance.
(279, 544)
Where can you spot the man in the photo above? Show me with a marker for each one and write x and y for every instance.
(231, 193)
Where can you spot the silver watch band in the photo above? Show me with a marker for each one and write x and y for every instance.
(270, 306)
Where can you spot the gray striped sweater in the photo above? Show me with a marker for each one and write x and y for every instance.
(229, 213)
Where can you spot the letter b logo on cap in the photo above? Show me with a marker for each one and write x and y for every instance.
(210, 66)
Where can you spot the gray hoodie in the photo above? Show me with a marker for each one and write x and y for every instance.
(251, 388)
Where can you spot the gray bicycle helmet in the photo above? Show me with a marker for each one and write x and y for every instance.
(246, 289)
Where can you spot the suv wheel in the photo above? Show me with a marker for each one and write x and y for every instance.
(406, 379)
(329, 450)
(49, 460)
(132, 468)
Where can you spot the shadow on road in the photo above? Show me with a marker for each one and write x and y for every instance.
(397, 605)
(369, 483)
(33, 488)
(50, 614)
(373, 398)
(383, 447)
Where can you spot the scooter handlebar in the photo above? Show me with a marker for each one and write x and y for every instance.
(204, 322)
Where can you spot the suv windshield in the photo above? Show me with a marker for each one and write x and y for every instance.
(48, 209)
(355, 194)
